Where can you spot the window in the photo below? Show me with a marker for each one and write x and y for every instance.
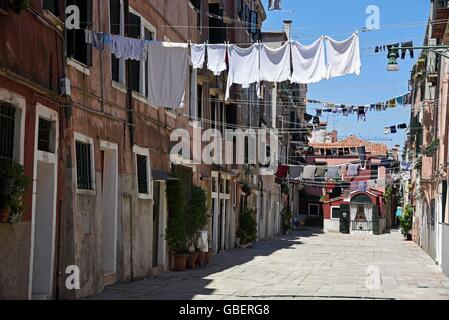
(84, 167)
(197, 7)
(143, 172)
(45, 139)
(140, 29)
(7, 123)
(200, 101)
(335, 213)
(52, 6)
(117, 27)
(193, 110)
(213, 111)
(253, 24)
(134, 66)
(314, 209)
(444, 202)
(77, 48)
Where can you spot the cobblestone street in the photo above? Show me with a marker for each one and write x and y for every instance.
(305, 265)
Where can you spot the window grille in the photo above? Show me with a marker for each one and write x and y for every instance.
(7, 119)
(44, 134)
(142, 174)
(84, 166)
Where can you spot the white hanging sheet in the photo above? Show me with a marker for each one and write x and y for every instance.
(198, 55)
(243, 66)
(168, 71)
(343, 57)
(216, 58)
(275, 64)
(309, 63)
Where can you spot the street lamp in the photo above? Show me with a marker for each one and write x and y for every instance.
(393, 54)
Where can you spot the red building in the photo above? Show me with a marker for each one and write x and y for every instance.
(347, 189)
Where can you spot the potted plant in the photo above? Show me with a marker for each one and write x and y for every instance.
(246, 188)
(287, 216)
(177, 232)
(285, 189)
(248, 227)
(407, 222)
(197, 219)
(14, 184)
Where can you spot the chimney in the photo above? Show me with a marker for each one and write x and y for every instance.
(334, 136)
(288, 28)
(395, 152)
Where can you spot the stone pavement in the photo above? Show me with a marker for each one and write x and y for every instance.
(305, 265)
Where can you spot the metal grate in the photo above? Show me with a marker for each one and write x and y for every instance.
(142, 174)
(44, 134)
(84, 166)
(7, 116)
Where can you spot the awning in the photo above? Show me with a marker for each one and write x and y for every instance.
(160, 175)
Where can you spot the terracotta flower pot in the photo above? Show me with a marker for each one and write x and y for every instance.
(180, 261)
(191, 260)
(208, 257)
(4, 215)
(201, 258)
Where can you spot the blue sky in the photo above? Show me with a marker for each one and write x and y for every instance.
(400, 20)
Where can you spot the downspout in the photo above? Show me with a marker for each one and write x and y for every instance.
(129, 107)
(101, 60)
(62, 139)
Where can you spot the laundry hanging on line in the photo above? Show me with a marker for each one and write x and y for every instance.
(361, 111)
(309, 64)
(404, 47)
(245, 68)
(343, 57)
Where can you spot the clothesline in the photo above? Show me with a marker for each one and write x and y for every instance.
(245, 65)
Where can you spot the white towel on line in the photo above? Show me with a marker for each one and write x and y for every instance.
(343, 57)
(243, 66)
(275, 64)
(168, 70)
(216, 58)
(309, 63)
(198, 55)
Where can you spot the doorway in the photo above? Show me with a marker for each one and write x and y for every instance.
(44, 217)
(45, 188)
(109, 197)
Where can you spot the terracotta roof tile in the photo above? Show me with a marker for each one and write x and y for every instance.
(354, 142)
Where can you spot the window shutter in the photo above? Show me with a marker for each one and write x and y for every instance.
(134, 66)
(114, 14)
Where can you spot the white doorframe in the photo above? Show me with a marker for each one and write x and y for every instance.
(111, 147)
(52, 159)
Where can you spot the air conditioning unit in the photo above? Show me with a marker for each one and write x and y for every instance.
(66, 87)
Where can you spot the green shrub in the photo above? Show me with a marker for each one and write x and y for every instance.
(287, 216)
(177, 232)
(407, 220)
(197, 217)
(14, 184)
(248, 226)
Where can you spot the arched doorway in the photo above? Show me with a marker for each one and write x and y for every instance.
(361, 209)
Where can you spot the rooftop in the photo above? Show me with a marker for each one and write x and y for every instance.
(353, 142)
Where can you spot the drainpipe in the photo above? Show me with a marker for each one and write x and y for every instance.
(101, 60)
(129, 106)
